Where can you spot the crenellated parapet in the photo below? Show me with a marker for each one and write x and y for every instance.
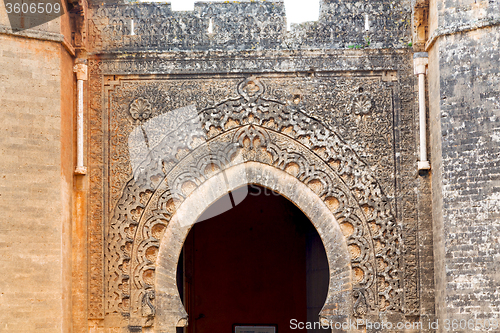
(246, 25)
(356, 24)
(216, 26)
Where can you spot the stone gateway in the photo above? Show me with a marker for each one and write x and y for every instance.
(210, 171)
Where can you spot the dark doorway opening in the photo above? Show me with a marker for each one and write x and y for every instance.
(261, 262)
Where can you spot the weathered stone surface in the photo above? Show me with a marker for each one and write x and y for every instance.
(324, 114)
(35, 187)
(247, 25)
(315, 105)
(170, 309)
(332, 89)
(465, 117)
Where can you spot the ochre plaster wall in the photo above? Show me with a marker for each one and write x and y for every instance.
(36, 181)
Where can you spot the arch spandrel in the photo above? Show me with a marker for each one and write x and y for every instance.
(270, 133)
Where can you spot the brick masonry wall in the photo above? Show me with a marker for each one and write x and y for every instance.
(465, 139)
(34, 189)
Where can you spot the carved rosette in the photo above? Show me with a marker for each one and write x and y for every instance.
(140, 109)
(361, 105)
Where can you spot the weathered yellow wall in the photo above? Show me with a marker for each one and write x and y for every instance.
(36, 163)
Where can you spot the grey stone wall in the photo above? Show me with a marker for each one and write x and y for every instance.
(356, 24)
(465, 122)
(453, 14)
(247, 25)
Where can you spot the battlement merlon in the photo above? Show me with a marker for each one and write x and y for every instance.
(246, 25)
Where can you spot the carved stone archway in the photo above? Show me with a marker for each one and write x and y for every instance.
(235, 134)
(170, 311)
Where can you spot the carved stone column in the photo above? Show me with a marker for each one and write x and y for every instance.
(420, 62)
(81, 75)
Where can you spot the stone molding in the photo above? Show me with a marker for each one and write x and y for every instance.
(81, 72)
(470, 26)
(40, 35)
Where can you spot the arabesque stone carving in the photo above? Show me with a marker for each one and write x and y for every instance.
(198, 112)
(267, 131)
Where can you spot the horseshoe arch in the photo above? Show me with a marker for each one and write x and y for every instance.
(170, 311)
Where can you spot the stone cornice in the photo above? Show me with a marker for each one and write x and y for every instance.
(40, 35)
(470, 26)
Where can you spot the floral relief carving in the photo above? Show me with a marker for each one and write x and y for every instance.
(123, 241)
(269, 132)
(361, 105)
(140, 109)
